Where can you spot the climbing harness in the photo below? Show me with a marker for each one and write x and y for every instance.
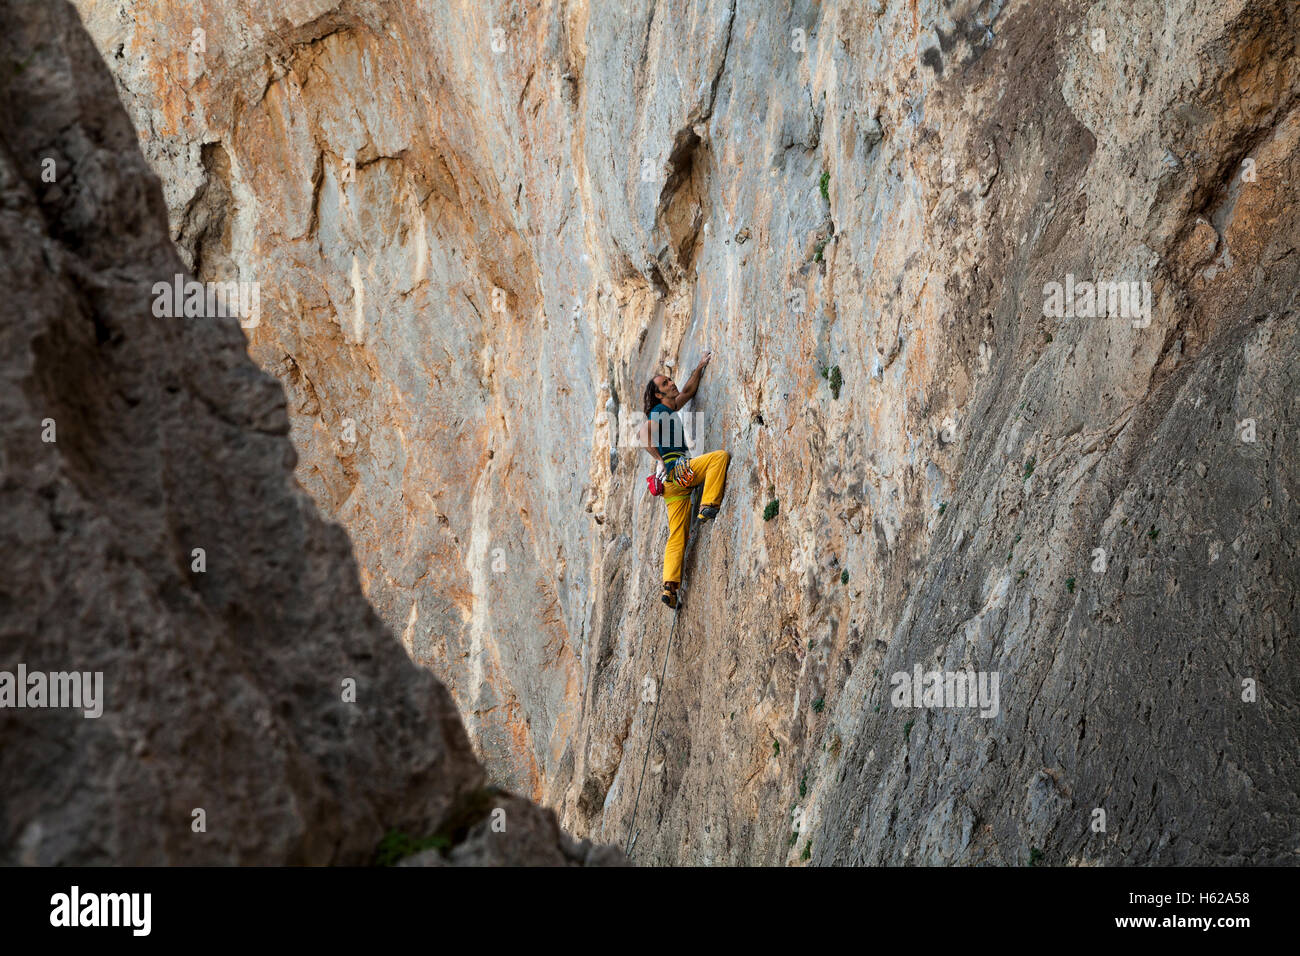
(675, 468)
(679, 470)
(632, 832)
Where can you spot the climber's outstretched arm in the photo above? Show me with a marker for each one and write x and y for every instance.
(692, 383)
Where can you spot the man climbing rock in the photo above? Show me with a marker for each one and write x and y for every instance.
(664, 438)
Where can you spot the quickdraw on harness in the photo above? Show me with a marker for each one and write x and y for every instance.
(677, 468)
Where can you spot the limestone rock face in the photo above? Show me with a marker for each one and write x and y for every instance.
(253, 707)
(480, 228)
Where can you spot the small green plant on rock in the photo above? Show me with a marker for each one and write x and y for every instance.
(825, 186)
(836, 380)
(773, 508)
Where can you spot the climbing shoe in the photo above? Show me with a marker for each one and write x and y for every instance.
(670, 597)
(708, 513)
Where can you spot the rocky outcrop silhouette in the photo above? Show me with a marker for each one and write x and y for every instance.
(252, 708)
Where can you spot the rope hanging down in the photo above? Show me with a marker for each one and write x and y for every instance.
(632, 833)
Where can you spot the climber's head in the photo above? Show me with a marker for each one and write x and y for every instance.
(657, 389)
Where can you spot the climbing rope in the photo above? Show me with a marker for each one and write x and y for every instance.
(632, 833)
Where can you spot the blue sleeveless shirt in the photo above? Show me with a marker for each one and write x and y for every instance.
(667, 432)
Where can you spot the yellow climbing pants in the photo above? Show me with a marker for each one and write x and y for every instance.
(711, 470)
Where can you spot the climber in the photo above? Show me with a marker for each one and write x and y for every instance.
(663, 436)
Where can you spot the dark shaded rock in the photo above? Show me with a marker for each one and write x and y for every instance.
(224, 689)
